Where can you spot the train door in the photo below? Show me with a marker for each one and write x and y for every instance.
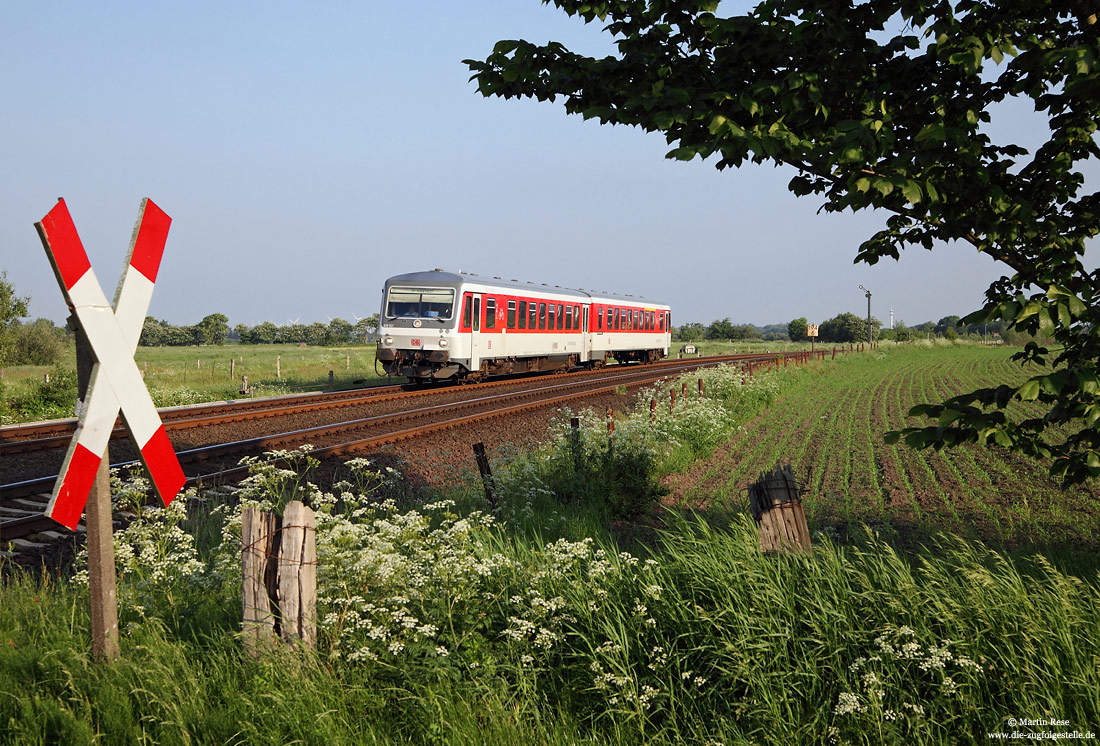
(475, 332)
(586, 344)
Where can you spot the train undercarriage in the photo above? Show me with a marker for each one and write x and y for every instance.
(420, 365)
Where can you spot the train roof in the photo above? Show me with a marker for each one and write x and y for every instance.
(441, 276)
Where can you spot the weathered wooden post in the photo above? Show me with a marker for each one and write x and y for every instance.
(257, 537)
(486, 473)
(331, 381)
(296, 589)
(700, 387)
(776, 505)
(278, 367)
(652, 411)
(672, 401)
(232, 369)
(99, 525)
(279, 577)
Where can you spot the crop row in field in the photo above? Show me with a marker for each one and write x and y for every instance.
(830, 428)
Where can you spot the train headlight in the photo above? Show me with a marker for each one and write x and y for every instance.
(387, 340)
(442, 343)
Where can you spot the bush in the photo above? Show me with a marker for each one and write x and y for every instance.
(37, 343)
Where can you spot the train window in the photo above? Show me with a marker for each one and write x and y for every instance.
(542, 315)
(599, 319)
(532, 319)
(424, 303)
(523, 314)
(576, 318)
(476, 316)
(490, 313)
(617, 320)
(569, 317)
(561, 316)
(511, 314)
(466, 311)
(660, 322)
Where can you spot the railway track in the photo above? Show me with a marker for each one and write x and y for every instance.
(21, 503)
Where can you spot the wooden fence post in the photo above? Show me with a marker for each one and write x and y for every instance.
(297, 575)
(486, 473)
(279, 577)
(776, 505)
(257, 535)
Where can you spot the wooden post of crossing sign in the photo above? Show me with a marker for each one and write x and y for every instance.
(114, 383)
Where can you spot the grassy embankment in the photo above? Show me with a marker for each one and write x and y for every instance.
(441, 624)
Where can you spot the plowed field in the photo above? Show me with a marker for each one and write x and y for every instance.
(830, 428)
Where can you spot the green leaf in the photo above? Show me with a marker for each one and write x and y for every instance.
(1029, 391)
(912, 191)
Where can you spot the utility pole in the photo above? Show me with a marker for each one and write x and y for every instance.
(870, 331)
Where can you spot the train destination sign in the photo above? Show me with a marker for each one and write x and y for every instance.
(112, 331)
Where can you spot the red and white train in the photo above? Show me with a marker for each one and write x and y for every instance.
(440, 325)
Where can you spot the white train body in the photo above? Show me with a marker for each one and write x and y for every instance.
(439, 325)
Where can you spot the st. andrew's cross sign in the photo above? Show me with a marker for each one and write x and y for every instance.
(112, 333)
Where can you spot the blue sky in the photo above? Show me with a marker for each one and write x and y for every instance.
(308, 151)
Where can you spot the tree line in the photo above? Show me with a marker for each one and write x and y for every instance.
(842, 328)
(214, 329)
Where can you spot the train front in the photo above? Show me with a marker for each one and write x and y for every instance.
(417, 328)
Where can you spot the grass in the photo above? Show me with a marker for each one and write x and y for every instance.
(190, 375)
(442, 624)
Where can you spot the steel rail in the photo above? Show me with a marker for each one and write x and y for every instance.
(15, 439)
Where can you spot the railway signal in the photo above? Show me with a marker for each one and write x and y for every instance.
(112, 332)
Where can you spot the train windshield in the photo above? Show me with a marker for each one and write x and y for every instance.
(420, 303)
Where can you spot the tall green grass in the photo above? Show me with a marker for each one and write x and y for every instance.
(702, 640)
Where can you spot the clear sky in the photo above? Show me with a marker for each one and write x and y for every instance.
(307, 151)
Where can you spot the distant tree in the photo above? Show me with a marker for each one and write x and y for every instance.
(339, 332)
(947, 322)
(152, 333)
(243, 333)
(844, 327)
(38, 343)
(212, 330)
(744, 331)
(692, 332)
(796, 330)
(264, 333)
(316, 334)
(291, 334)
(720, 329)
(12, 309)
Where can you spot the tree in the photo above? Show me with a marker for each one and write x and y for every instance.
(947, 322)
(264, 333)
(796, 330)
(886, 104)
(243, 333)
(339, 332)
(693, 332)
(12, 308)
(720, 329)
(844, 327)
(212, 330)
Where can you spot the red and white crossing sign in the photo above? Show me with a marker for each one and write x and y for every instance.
(115, 383)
